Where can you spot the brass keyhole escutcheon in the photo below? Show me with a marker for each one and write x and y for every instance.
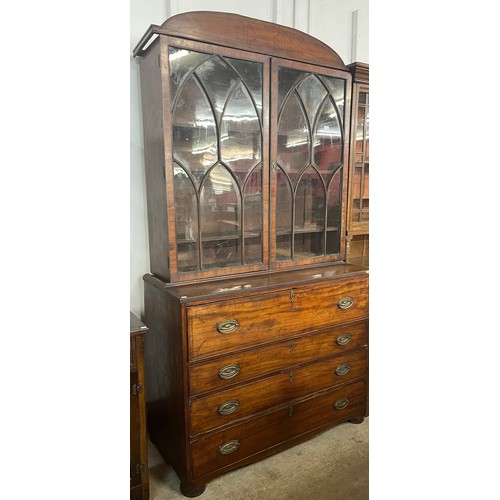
(290, 376)
(292, 296)
(292, 347)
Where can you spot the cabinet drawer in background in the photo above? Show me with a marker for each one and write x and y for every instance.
(296, 382)
(221, 327)
(232, 445)
(243, 366)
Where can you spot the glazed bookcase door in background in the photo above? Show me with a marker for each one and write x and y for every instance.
(359, 196)
(219, 162)
(309, 147)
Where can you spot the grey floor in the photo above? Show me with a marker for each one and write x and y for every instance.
(331, 466)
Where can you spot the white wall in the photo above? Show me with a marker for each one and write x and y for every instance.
(332, 21)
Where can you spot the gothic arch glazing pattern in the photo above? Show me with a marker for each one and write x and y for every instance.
(310, 152)
(217, 142)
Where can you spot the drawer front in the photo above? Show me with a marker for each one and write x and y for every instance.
(221, 327)
(236, 368)
(232, 404)
(232, 445)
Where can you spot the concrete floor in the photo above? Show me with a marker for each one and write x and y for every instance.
(331, 466)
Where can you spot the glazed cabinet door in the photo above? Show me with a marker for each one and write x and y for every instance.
(309, 157)
(218, 140)
(360, 160)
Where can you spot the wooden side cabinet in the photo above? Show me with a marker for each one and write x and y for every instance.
(139, 483)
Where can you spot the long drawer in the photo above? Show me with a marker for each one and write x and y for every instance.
(243, 366)
(294, 382)
(223, 326)
(241, 441)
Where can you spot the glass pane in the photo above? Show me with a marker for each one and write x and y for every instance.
(293, 138)
(220, 208)
(218, 78)
(337, 90)
(287, 78)
(309, 216)
(182, 62)
(366, 181)
(241, 141)
(251, 73)
(283, 217)
(310, 202)
(356, 182)
(252, 219)
(186, 221)
(334, 214)
(194, 131)
(367, 134)
(327, 150)
(362, 98)
(312, 94)
(360, 125)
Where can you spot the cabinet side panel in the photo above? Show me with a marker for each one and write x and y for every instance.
(154, 157)
(165, 376)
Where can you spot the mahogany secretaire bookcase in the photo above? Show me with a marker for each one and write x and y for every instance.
(258, 325)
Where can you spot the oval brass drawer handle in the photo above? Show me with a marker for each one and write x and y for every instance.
(342, 369)
(229, 371)
(228, 407)
(227, 326)
(341, 403)
(229, 447)
(345, 302)
(344, 339)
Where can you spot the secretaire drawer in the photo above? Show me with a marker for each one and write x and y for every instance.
(243, 366)
(236, 443)
(220, 327)
(296, 382)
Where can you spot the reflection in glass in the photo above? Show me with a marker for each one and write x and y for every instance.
(336, 86)
(182, 62)
(241, 141)
(193, 130)
(186, 220)
(293, 138)
(220, 219)
(312, 94)
(283, 217)
(328, 143)
(219, 79)
(251, 73)
(253, 223)
(334, 213)
(286, 81)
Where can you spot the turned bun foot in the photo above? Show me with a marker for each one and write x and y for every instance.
(192, 490)
(359, 420)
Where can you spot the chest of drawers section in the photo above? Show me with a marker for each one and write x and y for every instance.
(246, 369)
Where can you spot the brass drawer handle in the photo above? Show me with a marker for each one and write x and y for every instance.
(227, 326)
(228, 407)
(342, 369)
(341, 403)
(344, 339)
(345, 302)
(229, 447)
(229, 371)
